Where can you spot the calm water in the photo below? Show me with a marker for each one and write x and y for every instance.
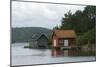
(25, 56)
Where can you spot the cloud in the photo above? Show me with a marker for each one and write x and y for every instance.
(39, 15)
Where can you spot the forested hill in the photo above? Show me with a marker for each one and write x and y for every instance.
(23, 34)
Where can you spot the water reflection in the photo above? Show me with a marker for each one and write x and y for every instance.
(26, 56)
(68, 52)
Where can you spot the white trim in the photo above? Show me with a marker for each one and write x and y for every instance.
(54, 43)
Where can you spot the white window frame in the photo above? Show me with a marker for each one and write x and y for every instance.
(66, 43)
(55, 42)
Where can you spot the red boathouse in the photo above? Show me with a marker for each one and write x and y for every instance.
(63, 40)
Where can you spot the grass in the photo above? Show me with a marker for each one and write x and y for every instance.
(28, 47)
(87, 53)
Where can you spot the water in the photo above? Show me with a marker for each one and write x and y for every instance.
(25, 56)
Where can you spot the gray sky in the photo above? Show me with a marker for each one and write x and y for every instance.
(26, 14)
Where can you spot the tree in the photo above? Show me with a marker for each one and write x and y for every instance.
(90, 13)
(56, 28)
(80, 21)
(66, 24)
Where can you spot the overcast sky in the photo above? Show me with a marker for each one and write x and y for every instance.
(27, 14)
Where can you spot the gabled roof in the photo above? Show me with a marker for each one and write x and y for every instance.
(65, 33)
(37, 36)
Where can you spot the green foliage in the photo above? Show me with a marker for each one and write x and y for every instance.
(80, 21)
(56, 28)
(27, 47)
(87, 38)
(87, 53)
(90, 11)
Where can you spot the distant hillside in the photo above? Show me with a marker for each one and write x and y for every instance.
(23, 34)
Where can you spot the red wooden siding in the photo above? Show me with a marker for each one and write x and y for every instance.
(55, 38)
(60, 49)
